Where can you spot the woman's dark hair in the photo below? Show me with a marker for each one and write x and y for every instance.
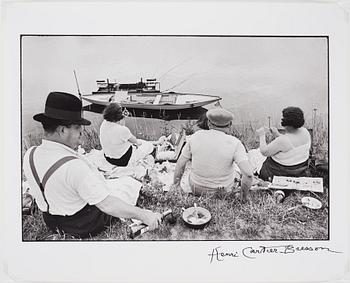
(202, 122)
(113, 112)
(292, 116)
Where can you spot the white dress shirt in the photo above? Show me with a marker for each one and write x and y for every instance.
(71, 186)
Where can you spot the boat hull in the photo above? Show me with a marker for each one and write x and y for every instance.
(195, 100)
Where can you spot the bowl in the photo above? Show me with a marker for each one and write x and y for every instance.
(196, 217)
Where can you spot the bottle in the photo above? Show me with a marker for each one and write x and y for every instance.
(279, 196)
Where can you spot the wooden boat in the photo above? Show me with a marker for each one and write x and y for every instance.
(146, 95)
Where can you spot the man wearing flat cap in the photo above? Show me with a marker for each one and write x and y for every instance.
(213, 153)
(72, 197)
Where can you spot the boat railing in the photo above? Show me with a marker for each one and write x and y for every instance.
(152, 85)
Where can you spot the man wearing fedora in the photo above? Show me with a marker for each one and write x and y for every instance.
(213, 153)
(73, 198)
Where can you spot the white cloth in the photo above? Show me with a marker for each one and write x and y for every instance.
(135, 169)
(165, 174)
(99, 161)
(141, 152)
(213, 154)
(256, 159)
(125, 188)
(71, 186)
(114, 139)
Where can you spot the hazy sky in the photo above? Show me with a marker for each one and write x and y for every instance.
(255, 76)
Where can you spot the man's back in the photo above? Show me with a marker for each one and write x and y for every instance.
(67, 190)
(213, 154)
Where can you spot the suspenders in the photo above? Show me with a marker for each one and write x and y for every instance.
(48, 174)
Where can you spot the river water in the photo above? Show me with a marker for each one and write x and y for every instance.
(256, 77)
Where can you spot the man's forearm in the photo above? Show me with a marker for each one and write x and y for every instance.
(263, 145)
(178, 173)
(118, 208)
(179, 169)
(132, 139)
(246, 184)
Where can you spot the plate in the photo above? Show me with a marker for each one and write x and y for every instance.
(311, 202)
(196, 217)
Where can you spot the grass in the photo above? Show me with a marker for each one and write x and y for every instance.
(259, 219)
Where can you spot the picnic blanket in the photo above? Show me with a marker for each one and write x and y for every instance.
(256, 159)
(97, 156)
(161, 175)
(141, 152)
(126, 188)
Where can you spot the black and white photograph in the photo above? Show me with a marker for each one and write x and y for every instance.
(174, 141)
(175, 137)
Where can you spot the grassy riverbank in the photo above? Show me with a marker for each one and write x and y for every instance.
(260, 218)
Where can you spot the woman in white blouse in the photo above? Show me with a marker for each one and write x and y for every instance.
(288, 154)
(116, 139)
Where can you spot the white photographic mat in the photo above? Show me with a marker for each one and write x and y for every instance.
(269, 53)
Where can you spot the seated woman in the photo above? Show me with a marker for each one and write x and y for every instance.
(116, 139)
(288, 154)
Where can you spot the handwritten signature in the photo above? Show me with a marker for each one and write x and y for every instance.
(252, 252)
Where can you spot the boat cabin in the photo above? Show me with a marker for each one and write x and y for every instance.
(105, 86)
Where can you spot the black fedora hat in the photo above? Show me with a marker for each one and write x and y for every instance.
(62, 107)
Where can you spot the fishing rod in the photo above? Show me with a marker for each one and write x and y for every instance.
(180, 83)
(174, 67)
(76, 81)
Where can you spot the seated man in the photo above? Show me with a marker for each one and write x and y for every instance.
(213, 153)
(73, 198)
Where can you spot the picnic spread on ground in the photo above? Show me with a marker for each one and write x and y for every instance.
(158, 170)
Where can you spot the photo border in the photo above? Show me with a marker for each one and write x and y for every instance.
(191, 36)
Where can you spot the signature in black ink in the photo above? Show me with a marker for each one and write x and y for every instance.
(253, 252)
(250, 252)
(220, 256)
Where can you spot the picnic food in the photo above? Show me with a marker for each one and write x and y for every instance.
(196, 217)
(165, 155)
(165, 150)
